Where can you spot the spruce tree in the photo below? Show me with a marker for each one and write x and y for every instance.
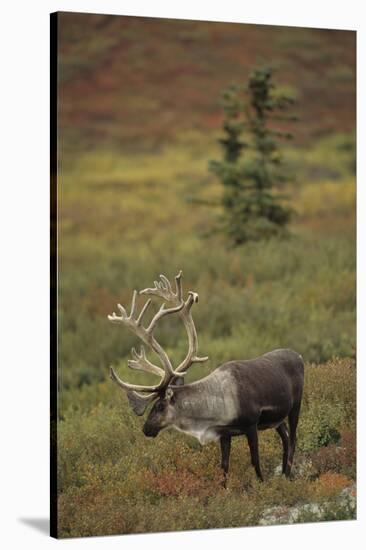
(251, 168)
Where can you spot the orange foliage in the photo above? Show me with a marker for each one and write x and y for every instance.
(179, 483)
(331, 483)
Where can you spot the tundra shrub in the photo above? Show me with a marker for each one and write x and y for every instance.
(340, 458)
(319, 426)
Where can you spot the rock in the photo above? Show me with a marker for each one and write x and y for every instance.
(348, 496)
(304, 468)
(279, 515)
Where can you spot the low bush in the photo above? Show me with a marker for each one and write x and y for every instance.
(339, 458)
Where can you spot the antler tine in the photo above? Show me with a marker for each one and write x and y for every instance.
(161, 313)
(124, 317)
(141, 362)
(122, 310)
(178, 285)
(163, 289)
(115, 318)
(133, 304)
(133, 387)
(186, 315)
(142, 312)
(138, 355)
(165, 284)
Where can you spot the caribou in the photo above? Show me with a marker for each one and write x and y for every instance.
(240, 397)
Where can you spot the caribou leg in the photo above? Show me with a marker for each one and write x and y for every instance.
(283, 433)
(252, 436)
(293, 419)
(225, 444)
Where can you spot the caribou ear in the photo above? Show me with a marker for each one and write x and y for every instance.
(138, 404)
(177, 381)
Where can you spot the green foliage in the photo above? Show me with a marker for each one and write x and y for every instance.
(333, 159)
(334, 511)
(253, 210)
(320, 427)
(329, 404)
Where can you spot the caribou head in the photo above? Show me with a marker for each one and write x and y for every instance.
(162, 413)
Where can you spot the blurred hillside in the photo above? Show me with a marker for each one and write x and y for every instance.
(138, 83)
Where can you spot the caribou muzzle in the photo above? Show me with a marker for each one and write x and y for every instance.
(150, 431)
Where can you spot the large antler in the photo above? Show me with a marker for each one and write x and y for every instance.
(164, 290)
(140, 361)
(133, 321)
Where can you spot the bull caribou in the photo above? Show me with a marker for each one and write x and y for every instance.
(239, 397)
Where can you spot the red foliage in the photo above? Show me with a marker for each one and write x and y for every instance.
(179, 483)
(340, 458)
(331, 483)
